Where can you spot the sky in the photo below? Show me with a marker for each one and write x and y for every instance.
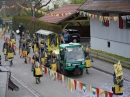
(51, 3)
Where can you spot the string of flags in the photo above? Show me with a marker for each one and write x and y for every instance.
(61, 14)
(126, 17)
(72, 84)
(9, 7)
(36, 10)
(101, 18)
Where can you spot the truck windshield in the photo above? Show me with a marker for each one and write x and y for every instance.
(74, 54)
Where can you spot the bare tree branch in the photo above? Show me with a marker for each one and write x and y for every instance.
(44, 4)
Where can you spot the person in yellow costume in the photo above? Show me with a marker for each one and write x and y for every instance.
(35, 44)
(25, 50)
(43, 54)
(88, 56)
(13, 37)
(35, 64)
(29, 41)
(10, 53)
(53, 62)
(5, 45)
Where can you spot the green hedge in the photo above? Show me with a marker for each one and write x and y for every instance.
(113, 55)
(34, 26)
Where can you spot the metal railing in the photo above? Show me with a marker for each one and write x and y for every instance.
(110, 59)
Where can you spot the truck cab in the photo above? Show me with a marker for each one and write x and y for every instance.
(71, 59)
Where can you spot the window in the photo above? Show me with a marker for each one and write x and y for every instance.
(108, 44)
(128, 23)
(105, 21)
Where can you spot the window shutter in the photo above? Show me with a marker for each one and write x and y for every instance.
(120, 21)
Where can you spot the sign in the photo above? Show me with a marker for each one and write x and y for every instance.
(118, 69)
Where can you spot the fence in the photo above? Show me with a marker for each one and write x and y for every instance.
(110, 59)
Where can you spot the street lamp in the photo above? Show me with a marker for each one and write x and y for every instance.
(4, 7)
(33, 4)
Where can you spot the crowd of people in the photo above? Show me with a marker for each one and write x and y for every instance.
(39, 49)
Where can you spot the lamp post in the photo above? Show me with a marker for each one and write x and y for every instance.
(33, 4)
(4, 7)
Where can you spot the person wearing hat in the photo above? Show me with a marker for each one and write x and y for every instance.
(5, 45)
(27, 34)
(25, 50)
(35, 64)
(88, 56)
(10, 53)
(21, 29)
(53, 61)
(35, 44)
(13, 37)
(42, 53)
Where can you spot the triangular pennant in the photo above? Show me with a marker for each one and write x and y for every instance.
(84, 87)
(75, 84)
(106, 94)
(93, 90)
(97, 92)
(90, 88)
(81, 85)
(110, 94)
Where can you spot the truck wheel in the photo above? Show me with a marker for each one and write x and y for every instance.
(63, 71)
(81, 71)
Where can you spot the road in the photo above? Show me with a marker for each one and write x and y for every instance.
(23, 77)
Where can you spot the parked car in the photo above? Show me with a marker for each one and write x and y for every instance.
(73, 35)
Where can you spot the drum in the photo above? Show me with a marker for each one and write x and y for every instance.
(5, 51)
(24, 53)
(88, 63)
(13, 41)
(10, 55)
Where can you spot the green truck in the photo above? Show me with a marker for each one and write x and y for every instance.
(71, 59)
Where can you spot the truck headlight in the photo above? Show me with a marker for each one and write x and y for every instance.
(69, 64)
(83, 62)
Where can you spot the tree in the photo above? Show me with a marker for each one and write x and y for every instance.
(59, 3)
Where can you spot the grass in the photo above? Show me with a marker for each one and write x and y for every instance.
(113, 55)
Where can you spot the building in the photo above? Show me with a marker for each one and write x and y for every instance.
(109, 25)
(66, 15)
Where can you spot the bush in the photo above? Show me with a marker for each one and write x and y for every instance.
(34, 26)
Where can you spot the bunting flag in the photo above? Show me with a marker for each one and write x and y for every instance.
(60, 14)
(36, 10)
(126, 17)
(102, 18)
(97, 92)
(72, 84)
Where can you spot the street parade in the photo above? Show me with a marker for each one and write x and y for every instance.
(74, 49)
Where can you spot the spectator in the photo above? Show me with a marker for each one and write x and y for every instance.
(21, 29)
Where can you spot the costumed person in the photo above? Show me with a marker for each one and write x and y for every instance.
(21, 29)
(10, 53)
(36, 67)
(53, 66)
(29, 41)
(23, 35)
(43, 54)
(27, 33)
(88, 56)
(13, 37)
(43, 42)
(35, 44)
(25, 50)
(62, 41)
(5, 46)
(20, 43)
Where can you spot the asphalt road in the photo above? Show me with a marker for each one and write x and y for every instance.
(23, 77)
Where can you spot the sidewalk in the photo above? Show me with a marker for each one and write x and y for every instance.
(109, 68)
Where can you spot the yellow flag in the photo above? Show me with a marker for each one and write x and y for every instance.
(90, 88)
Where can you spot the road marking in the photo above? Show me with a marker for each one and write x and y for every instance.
(31, 90)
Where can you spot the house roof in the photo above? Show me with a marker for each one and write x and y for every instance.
(106, 5)
(64, 9)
